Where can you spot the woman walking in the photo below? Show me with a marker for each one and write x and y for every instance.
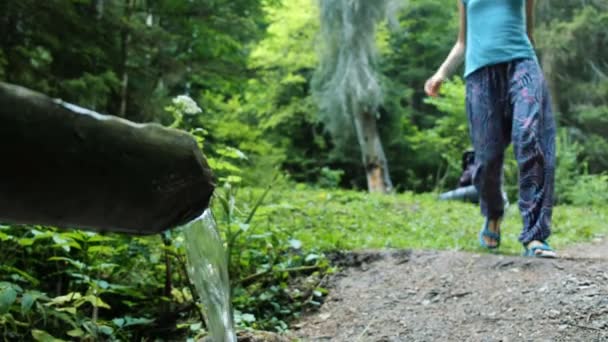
(507, 100)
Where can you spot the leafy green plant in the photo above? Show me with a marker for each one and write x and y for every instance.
(262, 262)
(569, 166)
(265, 263)
(448, 138)
(223, 160)
(330, 178)
(70, 284)
(589, 190)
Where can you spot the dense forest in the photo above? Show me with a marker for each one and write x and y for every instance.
(250, 67)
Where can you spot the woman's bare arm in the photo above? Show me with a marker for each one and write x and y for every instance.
(456, 56)
(453, 60)
(530, 20)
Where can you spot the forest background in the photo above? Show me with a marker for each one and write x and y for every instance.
(249, 65)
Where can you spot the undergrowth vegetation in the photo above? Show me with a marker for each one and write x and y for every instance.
(89, 286)
(247, 67)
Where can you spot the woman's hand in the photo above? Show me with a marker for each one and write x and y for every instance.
(433, 84)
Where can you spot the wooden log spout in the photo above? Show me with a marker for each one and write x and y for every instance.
(66, 166)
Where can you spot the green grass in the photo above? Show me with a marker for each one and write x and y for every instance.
(336, 219)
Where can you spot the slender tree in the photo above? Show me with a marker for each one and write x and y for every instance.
(346, 83)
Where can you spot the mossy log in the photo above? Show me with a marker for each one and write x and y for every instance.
(66, 166)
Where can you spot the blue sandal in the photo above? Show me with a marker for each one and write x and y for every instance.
(485, 232)
(532, 252)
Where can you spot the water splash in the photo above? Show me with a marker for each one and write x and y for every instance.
(208, 270)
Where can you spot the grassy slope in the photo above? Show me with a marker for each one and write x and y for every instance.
(353, 220)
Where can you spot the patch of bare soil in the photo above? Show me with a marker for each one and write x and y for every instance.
(457, 296)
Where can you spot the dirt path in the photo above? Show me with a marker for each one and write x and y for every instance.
(457, 296)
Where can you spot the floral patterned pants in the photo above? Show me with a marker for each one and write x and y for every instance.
(510, 102)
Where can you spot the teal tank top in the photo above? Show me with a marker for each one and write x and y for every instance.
(496, 33)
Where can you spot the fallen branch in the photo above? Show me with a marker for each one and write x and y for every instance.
(587, 327)
(457, 295)
(250, 279)
(592, 314)
(366, 328)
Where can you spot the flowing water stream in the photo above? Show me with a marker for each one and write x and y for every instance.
(208, 269)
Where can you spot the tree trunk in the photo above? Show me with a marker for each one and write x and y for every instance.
(372, 153)
(548, 66)
(123, 93)
(99, 8)
(125, 39)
